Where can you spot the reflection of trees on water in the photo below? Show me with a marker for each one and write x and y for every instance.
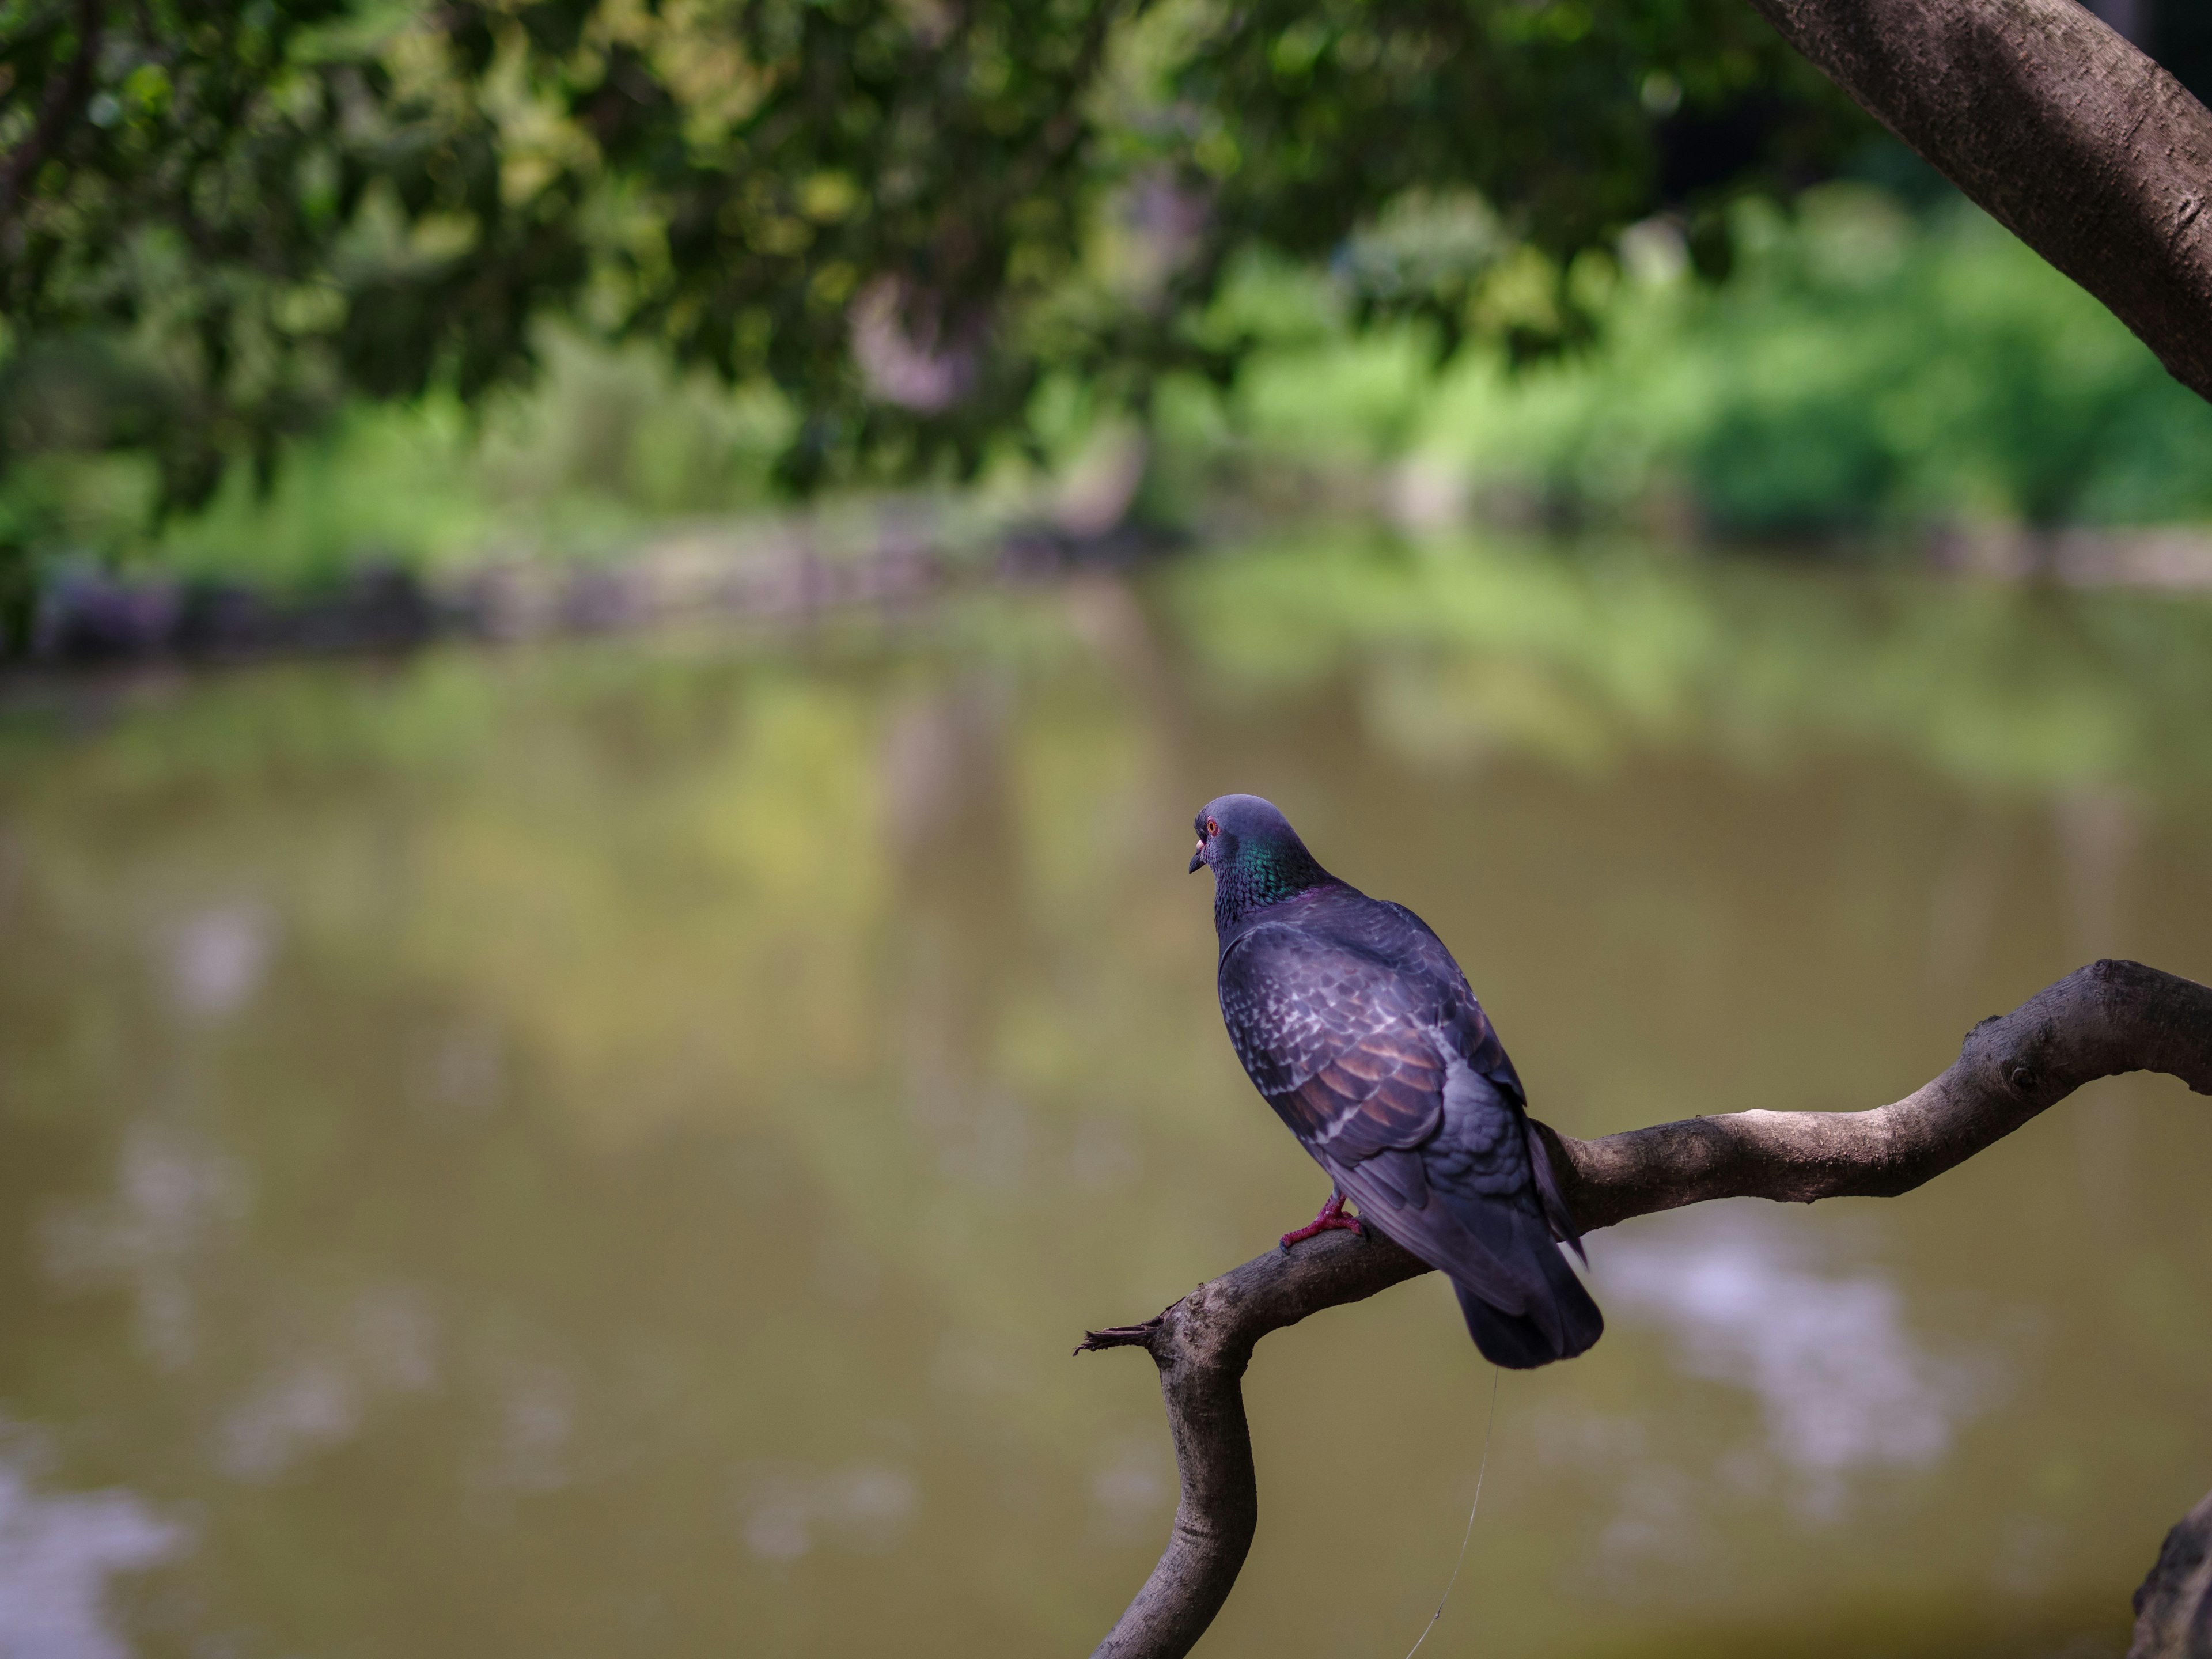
(1844, 1383)
(958, 940)
(60, 1550)
(613, 1147)
(1469, 651)
(444, 1239)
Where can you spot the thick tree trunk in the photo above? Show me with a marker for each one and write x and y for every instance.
(2108, 1018)
(2088, 151)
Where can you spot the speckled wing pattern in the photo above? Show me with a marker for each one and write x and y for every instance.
(1361, 1033)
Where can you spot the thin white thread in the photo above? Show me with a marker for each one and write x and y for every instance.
(1480, 1470)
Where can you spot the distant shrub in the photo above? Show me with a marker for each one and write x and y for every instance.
(1865, 368)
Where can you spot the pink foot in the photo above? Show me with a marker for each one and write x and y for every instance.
(1332, 1218)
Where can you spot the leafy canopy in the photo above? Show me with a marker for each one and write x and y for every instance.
(902, 212)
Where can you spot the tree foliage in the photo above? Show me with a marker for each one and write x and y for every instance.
(217, 221)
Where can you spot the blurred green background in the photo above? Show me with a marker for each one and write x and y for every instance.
(304, 288)
(1873, 381)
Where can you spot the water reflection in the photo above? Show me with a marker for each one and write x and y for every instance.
(606, 1148)
(1842, 1382)
(384, 1342)
(1133, 1489)
(58, 1551)
(173, 1195)
(788, 1509)
(215, 957)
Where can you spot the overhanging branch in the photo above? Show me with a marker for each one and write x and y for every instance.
(2072, 139)
(2106, 1018)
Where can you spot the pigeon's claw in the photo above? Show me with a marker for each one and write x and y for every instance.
(1332, 1218)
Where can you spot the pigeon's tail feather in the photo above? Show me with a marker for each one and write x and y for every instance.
(1561, 1321)
(1512, 1340)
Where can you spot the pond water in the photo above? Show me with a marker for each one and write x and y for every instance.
(607, 1147)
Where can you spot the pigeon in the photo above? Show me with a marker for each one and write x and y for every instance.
(1357, 1026)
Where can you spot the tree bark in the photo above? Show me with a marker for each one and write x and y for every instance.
(2072, 139)
(2173, 1615)
(2106, 1018)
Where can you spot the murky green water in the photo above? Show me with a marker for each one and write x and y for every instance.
(606, 1148)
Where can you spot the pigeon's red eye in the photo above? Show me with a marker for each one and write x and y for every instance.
(1211, 828)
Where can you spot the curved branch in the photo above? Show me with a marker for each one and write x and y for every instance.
(2072, 139)
(2108, 1018)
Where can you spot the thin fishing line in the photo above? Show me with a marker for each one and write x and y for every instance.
(1481, 1469)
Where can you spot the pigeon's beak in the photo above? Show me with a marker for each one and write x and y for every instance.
(1198, 857)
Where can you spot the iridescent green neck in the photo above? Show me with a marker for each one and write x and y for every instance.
(1259, 874)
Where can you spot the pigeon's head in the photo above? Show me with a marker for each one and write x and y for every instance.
(1230, 826)
(1256, 857)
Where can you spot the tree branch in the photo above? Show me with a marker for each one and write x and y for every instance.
(2172, 1605)
(2081, 146)
(2108, 1018)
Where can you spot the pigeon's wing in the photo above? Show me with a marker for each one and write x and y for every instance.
(1475, 1199)
(1475, 1039)
(1335, 1037)
(1352, 1053)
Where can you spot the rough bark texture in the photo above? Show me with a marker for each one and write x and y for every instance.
(1202, 1346)
(2088, 151)
(2108, 1018)
(2173, 1616)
